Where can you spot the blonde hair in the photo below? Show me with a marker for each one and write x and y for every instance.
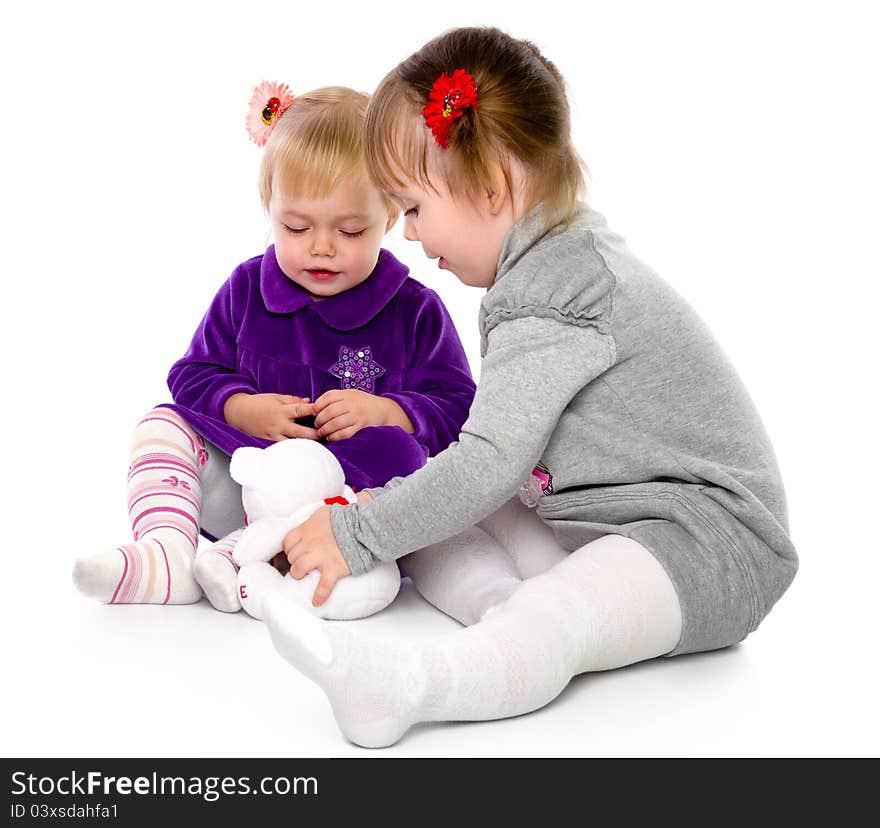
(522, 113)
(316, 144)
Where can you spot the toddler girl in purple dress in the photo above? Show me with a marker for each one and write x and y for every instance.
(324, 336)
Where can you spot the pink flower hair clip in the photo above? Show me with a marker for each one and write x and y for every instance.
(266, 106)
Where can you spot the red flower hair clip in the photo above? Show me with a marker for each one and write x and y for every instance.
(265, 107)
(449, 97)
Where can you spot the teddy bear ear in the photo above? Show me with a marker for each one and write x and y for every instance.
(244, 468)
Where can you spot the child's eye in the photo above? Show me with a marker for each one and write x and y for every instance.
(296, 230)
(413, 211)
(353, 235)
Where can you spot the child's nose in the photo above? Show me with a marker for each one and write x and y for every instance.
(322, 245)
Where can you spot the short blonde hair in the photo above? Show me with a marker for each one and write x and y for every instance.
(522, 113)
(316, 144)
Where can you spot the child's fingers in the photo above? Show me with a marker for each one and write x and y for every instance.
(344, 433)
(344, 420)
(292, 429)
(291, 539)
(326, 399)
(297, 409)
(329, 577)
(328, 413)
(303, 564)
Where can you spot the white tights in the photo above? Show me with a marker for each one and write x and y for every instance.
(471, 572)
(538, 616)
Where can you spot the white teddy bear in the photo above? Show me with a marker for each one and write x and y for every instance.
(282, 485)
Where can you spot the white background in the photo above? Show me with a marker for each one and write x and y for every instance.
(735, 146)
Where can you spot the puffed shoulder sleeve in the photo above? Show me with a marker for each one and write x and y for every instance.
(209, 373)
(564, 277)
(439, 387)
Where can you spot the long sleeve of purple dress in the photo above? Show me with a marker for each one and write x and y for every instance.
(209, 373)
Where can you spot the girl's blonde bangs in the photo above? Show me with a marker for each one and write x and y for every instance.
(312, 168)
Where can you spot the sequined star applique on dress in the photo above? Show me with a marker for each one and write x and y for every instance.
(357, 368)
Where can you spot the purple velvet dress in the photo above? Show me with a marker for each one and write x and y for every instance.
(390, 336)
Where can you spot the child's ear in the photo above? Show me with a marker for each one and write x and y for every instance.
(499, 190)
(392, 220)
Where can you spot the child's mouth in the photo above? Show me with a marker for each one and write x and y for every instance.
(322, 275)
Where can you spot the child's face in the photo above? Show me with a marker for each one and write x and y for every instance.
(464, 236)
(329, 245)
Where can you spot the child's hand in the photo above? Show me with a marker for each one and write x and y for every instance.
(269, 416)
(341, 413)
(312, 545)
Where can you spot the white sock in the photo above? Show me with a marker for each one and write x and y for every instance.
(608, 604)
(217, 573)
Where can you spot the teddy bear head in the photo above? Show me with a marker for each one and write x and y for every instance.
(286, 476)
